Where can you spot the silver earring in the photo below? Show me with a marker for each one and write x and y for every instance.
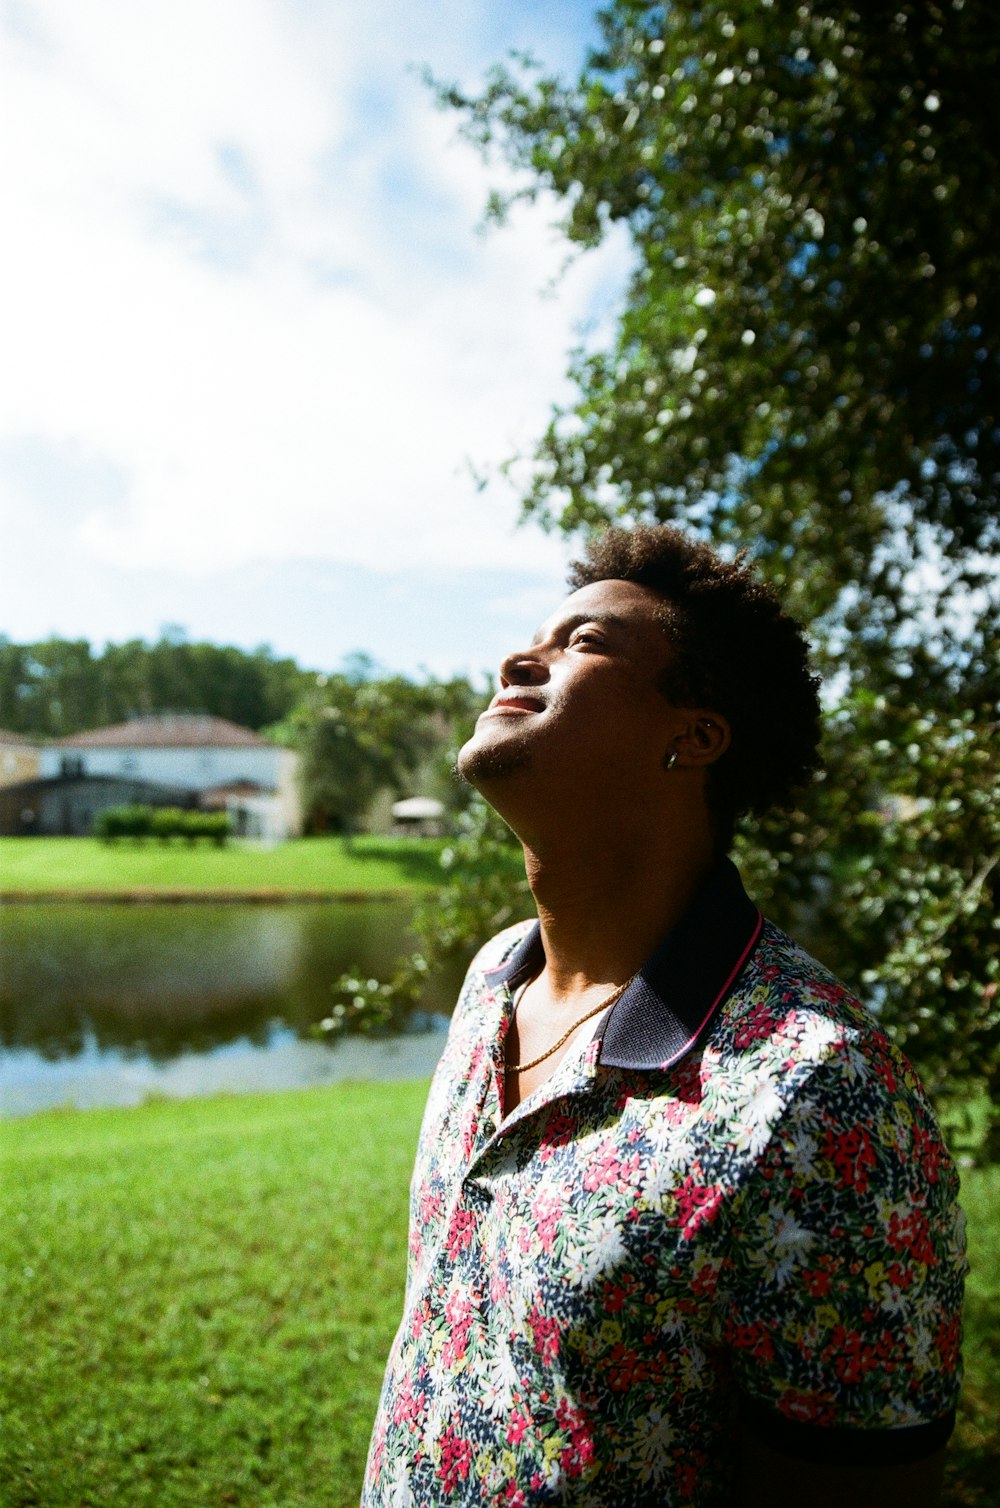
(671, 760)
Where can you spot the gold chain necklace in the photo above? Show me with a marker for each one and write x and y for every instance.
(603, 1006)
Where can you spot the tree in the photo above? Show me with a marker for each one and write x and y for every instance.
(360, 733)
(59, 686)
(808, 350)
(806, 363)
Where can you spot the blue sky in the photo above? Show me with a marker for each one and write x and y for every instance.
(254, 340)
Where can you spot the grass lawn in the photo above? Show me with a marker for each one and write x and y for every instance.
(332, 865)
(200, 1297)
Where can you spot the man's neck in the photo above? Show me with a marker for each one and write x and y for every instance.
(606, 900)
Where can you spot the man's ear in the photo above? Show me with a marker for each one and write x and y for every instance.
(702, 738)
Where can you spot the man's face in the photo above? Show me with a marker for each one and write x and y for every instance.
(581, 706)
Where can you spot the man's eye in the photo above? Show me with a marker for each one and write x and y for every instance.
(586, 636)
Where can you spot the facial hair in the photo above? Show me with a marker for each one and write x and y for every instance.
(478, 765)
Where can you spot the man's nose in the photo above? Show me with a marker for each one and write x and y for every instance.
(523, 668)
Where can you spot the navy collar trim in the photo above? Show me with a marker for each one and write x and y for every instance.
(677, 992)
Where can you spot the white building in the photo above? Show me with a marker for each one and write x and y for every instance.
(223, 765)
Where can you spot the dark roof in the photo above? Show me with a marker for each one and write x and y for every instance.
(153, 789)
(172, 730)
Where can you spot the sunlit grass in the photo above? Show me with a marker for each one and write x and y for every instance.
(35, 865)
(973, 1469)
(200, 1298)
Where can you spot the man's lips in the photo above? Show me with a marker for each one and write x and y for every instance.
(514, 704)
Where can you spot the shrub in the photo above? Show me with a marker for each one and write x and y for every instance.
(163, 822)
(216, 826)
(124, 822)
(167, 822)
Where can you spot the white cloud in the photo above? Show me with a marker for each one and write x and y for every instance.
(230, 280)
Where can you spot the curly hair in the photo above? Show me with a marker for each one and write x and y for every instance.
(735, 650)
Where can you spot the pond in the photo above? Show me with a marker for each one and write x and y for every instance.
(110, 1003)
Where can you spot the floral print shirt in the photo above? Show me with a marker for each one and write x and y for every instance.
(733, 1205)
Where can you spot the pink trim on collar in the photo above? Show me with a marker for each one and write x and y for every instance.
(737, 966)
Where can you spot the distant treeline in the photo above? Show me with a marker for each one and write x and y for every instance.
(63, 686)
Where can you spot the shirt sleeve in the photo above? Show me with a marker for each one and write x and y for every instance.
(841, 1289)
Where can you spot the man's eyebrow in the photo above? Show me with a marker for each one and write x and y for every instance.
(603, 620)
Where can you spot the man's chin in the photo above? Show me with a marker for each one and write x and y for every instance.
(479, 764)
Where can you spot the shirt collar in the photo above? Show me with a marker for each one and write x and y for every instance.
(672, 999)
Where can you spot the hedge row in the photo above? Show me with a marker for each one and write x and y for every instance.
(163, 822)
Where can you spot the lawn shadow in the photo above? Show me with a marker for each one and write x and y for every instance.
(418, 858)
(972, 1470)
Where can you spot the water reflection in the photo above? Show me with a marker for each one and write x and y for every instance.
(171, 993)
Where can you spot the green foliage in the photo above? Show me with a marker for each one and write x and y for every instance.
(168, 822)
(810, 192)
(889, 874)
(360, 734)
(807, 364)
(483, 889)
(59, 686)
(124, 822)
(163, 822)
(216, 826)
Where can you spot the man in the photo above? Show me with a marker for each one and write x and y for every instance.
(683, 1228)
